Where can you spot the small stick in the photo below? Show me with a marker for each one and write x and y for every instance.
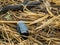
(48, 22)
(35, 40)
(38, 20)
(13, 21)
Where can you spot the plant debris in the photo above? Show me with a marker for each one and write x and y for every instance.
(42, 21)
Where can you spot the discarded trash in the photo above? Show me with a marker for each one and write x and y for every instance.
(37, 24)
(22, 28)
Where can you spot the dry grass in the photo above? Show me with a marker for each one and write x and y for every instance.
(44, 28)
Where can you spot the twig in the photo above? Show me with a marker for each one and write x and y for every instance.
(38, 20)
(35, 40)
(6, 34)
(13, 21)
(48, 8)
(49, 42)
(47, 23)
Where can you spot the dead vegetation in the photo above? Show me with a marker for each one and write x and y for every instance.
(44, 28)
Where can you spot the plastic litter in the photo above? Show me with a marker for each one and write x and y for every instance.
(22, 28)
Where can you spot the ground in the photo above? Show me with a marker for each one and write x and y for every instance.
(43, 24)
